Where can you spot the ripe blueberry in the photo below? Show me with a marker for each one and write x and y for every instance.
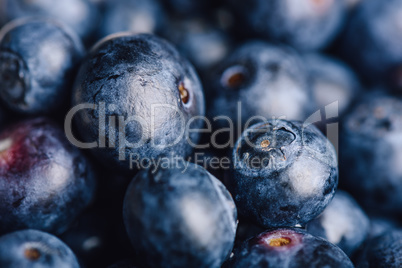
(32, 248)
(285, 248)
(284, 174)
(45, 182)
(180, 217)
(38, 60)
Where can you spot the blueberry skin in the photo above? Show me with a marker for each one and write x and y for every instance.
(381, 225)
(180, 217)
(384, 251)
(343, 223)
(284, 174)
(80, 15)
(45, 182)
(331, 81)
(370, 152)
(286, 248)
(35, 249)
(134, 76)
(372, 42)
(38, 61)
(305, 25)
(268, 80)
(202, 42)
(135, 16)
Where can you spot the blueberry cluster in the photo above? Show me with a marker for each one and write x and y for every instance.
(200, 133)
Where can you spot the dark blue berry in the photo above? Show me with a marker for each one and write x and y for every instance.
(343, 223)
(149, 92)
(38, 60)
(370, 153)
(80, 15)
(331, 81)
(180, 217)
(306, 25)
(259, 80)
(202, 42)
(372, 42)
(284, 174)
(45, 182)
(135, 16)
(32, 248)
(285, 248)
(384, 251)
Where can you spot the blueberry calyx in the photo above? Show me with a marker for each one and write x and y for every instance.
(265, 146)
(280, 239)
(32, 254)
(234, 77)
(184, 93)
(279, 242)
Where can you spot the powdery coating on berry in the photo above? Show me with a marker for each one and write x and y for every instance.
(373, 39)
(332, 81)
(383, 251)
(287, 182)
(268, 80)
(195, 220)
(38, 60)
(371, 153)
(149, 84)
(291, 21)
(44, 181)
(286, 248)
(342, 223)
(138, 16)
(79, 15)
(32, 248)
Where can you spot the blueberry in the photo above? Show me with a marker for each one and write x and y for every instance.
(288, 248)
(331, 80)
(80, 15)
(305, 25)
(32, 248)
(268, 81)
(370, 153)
(148, 90)
(180, 216)
(384, 251)
(372, 42)
(135, 16)
(37, 65)
(381, 225)
(202, 42)
(342, 223)
(44, 181)
(284, 173)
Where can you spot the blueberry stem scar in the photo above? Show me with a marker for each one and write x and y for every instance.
(32, 254)
(183, 93)
(279, 242)
(265, 143)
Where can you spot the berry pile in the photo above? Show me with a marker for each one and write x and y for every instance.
(205, 134)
